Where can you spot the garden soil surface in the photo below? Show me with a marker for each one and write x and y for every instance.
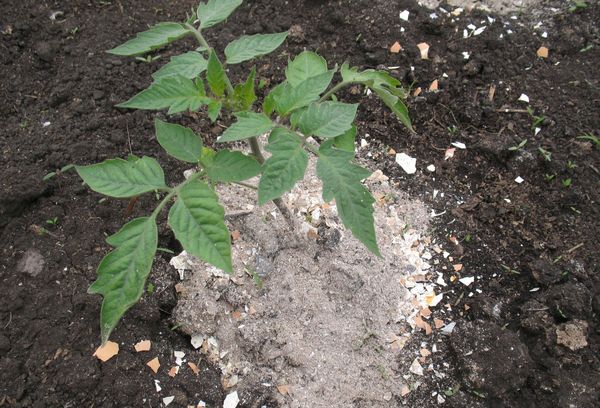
(523, 224)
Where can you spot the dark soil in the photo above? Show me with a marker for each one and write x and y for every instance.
(56, 71)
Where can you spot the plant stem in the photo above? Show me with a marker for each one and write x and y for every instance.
(247, 185)
(333, 90)
(255, 146)
(173, 192)
(202, 41)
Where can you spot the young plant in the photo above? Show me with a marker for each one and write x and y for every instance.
(594, 139)
(292, 112)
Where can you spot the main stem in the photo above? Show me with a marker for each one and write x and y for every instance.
(254, 144)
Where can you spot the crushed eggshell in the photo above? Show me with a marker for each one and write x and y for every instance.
(168, 400)
(417, 91)
(395, 48)
(434, 85)
(232, 400)
(404, 15)
(194, 368)
(524, 98)
(392, 152)
(457, 267)
(235, 235)
(519, 180)
(157, 385)
(449, 153)
(438, 323)
(143, 345)
(431, 168)
(107, 351)
(459, 145)
(416, 367)
(424, 352)
(467, 280)
(424, 49)
(283, 389)
(407, 163)
(173, 371)
(542, 52)
(404, 391)
(154, 364)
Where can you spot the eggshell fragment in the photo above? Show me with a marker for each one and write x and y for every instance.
(424, 49)
(542, 52)
(154, 364)
(395, 48)
(107, 351)
(143, 345)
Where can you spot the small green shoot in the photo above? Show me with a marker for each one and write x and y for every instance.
(537, 120)
(547, 155)
(509, 269)
(594, 139)
(519, 146)
(150, 288)
(454, 130)
(52, 221)
(148, 59)
(587, 48)
(577, 5)
(567, 182)
(575, 210)
(571, 165)
(549, 177)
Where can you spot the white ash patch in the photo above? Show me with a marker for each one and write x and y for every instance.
(320, 316)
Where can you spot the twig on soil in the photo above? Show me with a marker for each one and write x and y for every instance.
(512, 110)
(576, 247)
(9, 320)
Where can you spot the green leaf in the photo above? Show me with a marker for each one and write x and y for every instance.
(344, 142)
(198, 223)
(287, 98)
(174, 92)
(123, 178)
(122, 273)
(306, 65)
(396, 104)
(214, 11)
(249, 125)
(180, 142)
(228, 166)
(152, 39)
(215, 75)
(214, 109)
(284, 168)
(189, 65)
(342, 181)
(244, 93)
(327, 119)
(248, 47)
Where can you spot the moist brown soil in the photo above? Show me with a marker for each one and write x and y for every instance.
(56, 71)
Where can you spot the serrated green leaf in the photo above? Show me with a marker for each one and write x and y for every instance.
(214, 11)
(287, 98)
(249, 124)
(180, 142)
(123, 272)
(244, 93)
(342, 181)
(123, 178)
(248, 47)
(229, 166)
(189, 65)
(152, 39)
(197, 220)
(396, 105)
(344, 142)
(284, 168)
(214, 109)
(306, 65)
(215, 75)
(327, 119)
(174, 92)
